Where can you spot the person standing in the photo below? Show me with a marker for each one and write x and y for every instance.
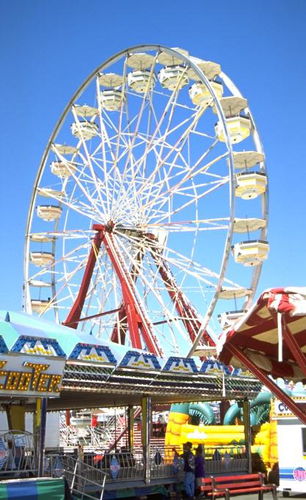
(199, 469)
(189, 468)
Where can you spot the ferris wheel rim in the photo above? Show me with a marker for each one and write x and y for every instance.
(221, 116)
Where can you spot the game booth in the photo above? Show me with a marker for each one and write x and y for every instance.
(47, 369)
(271, 342)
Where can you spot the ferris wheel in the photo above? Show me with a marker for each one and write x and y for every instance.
(148, 219)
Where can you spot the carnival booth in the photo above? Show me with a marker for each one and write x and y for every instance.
(46, 367)
(270, 340)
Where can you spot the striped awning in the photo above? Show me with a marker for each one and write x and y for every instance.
(270, 339)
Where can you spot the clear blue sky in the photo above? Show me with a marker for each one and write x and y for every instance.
(47, 48)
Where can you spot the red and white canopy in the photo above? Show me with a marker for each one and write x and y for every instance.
(270, 339)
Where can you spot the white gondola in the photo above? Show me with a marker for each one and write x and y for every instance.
(173, 77)
(39, 306)
(39, 283)
(239, 128)
(140, 60)
(250, 253)
(201, 96)
(234, 293)
(42, 259)
(249, 185)
(248, 225)
(243, 160)
(41, 238)
(110, 80)
(61, 169)
(232, 106)
(209, 68)
(111, 100)
(48, 212)
(64, 149)
(228, 319)
(85, 130)
(50, 193)
(169, 60)
(85, 111)
(141, 81)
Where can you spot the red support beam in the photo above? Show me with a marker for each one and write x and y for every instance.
(294, 347)
(182, 305)
(119, 333)
(76, 311)
(93, 316)
(130, 307)
(268, 382)
(135, 314)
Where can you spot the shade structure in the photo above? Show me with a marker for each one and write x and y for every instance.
(96, 373)
(270, 340)
(14, 325)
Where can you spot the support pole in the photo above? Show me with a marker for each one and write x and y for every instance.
(294, 347)
(146, 434)
(16, 417)
(76, 311)
(36, 431)
(131, 427)
(247, 432)
(42, 436)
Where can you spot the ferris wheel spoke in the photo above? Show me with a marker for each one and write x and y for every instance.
(104, 161)
(144, 102)
(113, 171)
(80, 184)
(190, 174)
(88, 158)
(169, 104)
(181, 141)
(119, 131)
(221, 223)
(178, 260)
(154, 291)
(159, 216)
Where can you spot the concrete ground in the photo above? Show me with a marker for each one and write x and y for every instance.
(268, 496)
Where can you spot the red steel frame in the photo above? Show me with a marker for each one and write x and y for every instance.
(183, 307)
(268, 382)
(131, 309)
(119, 333)
(293, 345)
(76, 310)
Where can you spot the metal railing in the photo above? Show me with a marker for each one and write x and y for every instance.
(225, 459)
(130, 465)
(17, 457)
(125, 465)
(89, 436)
(85, 481)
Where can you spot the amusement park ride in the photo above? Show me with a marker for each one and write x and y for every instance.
(144, 203)
(149, 213)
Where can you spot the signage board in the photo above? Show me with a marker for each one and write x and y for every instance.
(24, 375)
(281, 410)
